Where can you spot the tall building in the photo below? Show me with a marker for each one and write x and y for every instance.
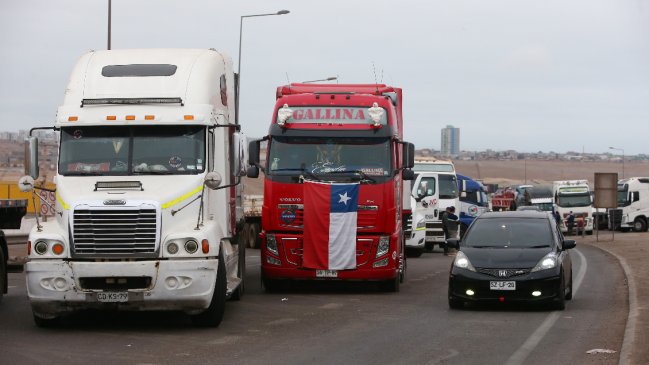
(450, 141)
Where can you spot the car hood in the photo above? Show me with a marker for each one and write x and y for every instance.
(505, 258)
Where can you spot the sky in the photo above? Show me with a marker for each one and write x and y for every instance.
(551, 75)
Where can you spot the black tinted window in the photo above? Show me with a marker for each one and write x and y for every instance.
(140, 70)
(509, 232)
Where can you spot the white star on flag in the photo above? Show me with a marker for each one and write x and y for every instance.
(343, 198)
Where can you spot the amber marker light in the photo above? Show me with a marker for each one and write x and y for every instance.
(188, 117)
(29, 248)
(57, 248)
(111, 117)
(149, 117)
(206, 246)
(73, 119)
(130, 117)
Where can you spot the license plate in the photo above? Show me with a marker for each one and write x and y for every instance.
(502, 285)
(112, 297)
(326, 274)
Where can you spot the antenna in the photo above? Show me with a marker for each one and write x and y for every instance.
(375, 81)
(288, 82)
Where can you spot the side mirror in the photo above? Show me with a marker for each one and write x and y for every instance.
(31, 157)
(407, 174)
(213, 180)
(26, 184)
(253, 152)
(253, 172)
(408, 155)
(568, 244)
(240, 159)
(453, 243)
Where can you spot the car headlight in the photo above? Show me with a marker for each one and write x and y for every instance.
(271, 244)
(462, 262)
(548, 261)
(384, 246)
(421, 224)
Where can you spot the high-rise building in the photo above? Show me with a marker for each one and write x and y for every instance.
(450, 141)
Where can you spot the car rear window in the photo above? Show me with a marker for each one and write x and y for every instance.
(509, 232)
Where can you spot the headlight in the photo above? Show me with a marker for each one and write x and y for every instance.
(462, 262)
(40, 247)
(271, 244)
(172, 248)
(421, 224)
(191, 246)
(548, 261)
(384, 246)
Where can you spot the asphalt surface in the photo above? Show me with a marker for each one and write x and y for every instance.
(325, 323)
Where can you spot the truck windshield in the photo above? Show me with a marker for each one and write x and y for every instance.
(371, 157)
(475, 197)
(128, 150)
(622, 195)
(574, 200)
(448, 187)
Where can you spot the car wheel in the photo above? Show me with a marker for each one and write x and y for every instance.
(569, 295)
(45, 322)
(560, 300)
(639, 225)
(213, 315)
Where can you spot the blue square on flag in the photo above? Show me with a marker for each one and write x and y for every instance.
(344, 198)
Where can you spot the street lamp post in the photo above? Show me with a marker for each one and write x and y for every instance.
(331, 78)
(109, 21)
(281, 12)
(620, 149)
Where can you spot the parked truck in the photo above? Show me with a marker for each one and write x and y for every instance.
(573, 196)
(633, 204)
(148, 194)
(252, 205)
(12, 212)
(473, 201)
(343, 142)
(435, 188)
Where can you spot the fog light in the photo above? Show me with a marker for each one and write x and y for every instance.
(536, 293)
(172, 248)
(191, 246)
(470, 292)
(40, 247)
(171, 282)
(60, 283)
(381, 263)
(273, 261)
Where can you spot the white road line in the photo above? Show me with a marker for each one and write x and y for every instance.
(530, 344)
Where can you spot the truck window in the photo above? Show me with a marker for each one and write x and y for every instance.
(138, 70)
(448, 187)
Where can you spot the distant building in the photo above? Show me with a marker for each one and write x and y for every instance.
(450, 141)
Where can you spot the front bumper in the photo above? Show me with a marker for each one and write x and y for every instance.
(57, 286)
(417, 239)
(547, 282)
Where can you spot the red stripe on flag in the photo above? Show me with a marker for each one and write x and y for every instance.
(315, 247)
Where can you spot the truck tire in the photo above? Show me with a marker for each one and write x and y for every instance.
(639, 225)
(213, 315)
(257, 231)
(270, 285)
(243, 235)
(392, 285)
(253, 232)
(241, 271)
(3, 273)
(414, 252)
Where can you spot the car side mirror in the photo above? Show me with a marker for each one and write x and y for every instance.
(453, 243)
(568, 244)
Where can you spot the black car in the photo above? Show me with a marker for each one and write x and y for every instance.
(511, 256)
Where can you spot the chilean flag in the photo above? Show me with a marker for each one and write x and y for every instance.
(330, 212)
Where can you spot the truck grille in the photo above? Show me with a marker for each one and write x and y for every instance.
(110, 232)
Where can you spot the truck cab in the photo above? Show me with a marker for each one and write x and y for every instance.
(633, 204)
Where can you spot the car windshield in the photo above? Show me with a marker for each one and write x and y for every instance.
(125, 150)
(509, 233)
(369, 157)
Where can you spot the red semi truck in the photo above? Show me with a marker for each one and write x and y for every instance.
(334, 173)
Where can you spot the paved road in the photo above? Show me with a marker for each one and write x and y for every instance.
(327, 324)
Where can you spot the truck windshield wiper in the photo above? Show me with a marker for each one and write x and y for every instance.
(538, 246)
(154, 172)
(85, 173)
(363, 176)
(300, 169)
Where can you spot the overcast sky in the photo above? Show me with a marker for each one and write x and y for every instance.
(551, 75)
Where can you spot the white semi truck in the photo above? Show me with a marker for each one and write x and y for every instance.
(148, 194)
(433, 190)
(633, 204)
(573, 196)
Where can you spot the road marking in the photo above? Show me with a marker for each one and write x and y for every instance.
(535, 338)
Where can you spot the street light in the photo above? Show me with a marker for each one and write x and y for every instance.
(331, 78)
(620, 149)
(109, 20)
(281, 12)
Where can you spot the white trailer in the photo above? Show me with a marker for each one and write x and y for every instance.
(633, 202)
(148, 197)
(573, 196)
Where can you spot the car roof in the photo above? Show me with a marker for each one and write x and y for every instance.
(514, 214)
